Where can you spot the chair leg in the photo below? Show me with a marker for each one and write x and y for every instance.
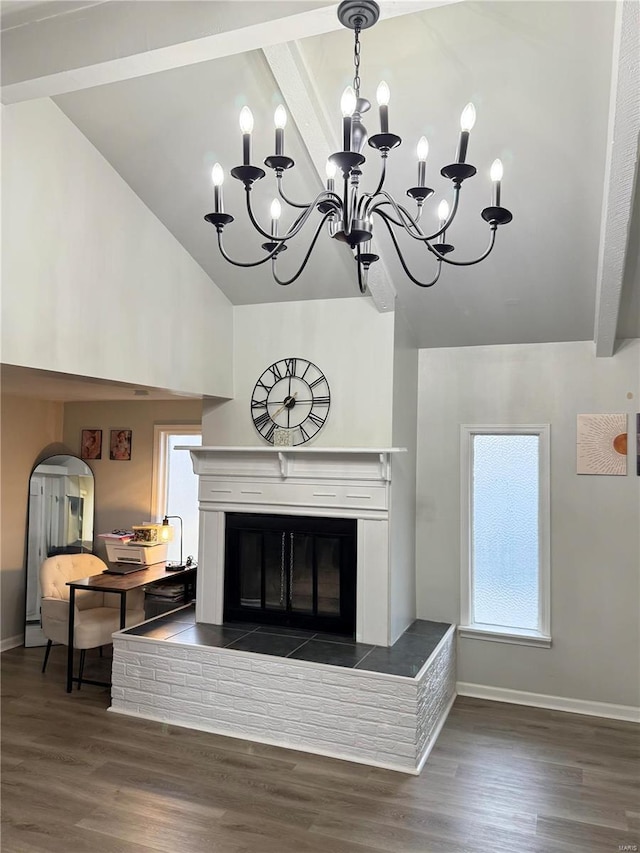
(83, 652)
(46, 655)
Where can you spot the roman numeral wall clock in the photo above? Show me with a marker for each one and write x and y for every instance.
(291, 394)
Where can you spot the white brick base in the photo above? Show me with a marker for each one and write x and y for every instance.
(371, 718)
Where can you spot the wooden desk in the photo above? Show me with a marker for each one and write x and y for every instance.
(120, 584)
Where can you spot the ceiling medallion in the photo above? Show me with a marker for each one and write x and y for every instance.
(348, 212)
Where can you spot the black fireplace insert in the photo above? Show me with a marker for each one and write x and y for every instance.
(295, 571)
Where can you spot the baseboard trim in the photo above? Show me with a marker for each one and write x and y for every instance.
(435, 734)
(11, 642)
(554, 703)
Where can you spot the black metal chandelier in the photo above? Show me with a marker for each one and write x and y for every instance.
(350, 214)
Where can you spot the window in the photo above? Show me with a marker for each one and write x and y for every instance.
(505, 533)
(175, 486)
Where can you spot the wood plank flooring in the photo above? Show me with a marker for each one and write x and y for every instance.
(76, 779)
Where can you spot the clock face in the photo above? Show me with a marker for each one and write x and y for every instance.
(291, 394)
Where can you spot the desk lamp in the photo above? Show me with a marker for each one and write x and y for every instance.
(166, 535)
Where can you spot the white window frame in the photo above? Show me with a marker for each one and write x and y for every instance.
(493, 633)
(161, 433)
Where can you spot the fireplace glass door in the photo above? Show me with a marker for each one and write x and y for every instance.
(290, 570)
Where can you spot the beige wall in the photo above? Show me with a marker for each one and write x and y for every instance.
(26, 428)
(123, 489)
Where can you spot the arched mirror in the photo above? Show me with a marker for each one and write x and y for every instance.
(60, 522)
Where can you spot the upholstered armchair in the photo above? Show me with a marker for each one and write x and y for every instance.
(97, 614)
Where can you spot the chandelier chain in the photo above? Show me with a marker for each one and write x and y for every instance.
(356, 62)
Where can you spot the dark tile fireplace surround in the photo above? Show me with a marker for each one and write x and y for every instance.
(406, 657)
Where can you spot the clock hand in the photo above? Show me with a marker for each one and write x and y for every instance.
(284, 405)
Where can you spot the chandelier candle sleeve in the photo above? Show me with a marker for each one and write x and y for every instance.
(467, 120)
(280, 120)
(422, 150)
(217, 176)
(496, 176)
(246, 126)
(347, 105)
(382, 96)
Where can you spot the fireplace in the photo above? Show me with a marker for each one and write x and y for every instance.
(297, 571)
(352, 488)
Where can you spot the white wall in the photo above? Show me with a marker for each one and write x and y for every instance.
(595, 541)
(346, 338)
(92, 282)
(402, 544)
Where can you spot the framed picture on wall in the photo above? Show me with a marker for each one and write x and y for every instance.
(120, 445)
(91, 444)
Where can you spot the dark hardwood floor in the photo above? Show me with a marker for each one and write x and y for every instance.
(501, 778)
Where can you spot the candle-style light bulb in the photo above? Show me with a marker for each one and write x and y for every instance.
(467, 120)
(246, 120)
(330, 171)
(280, 121)
(496, 173)
(276, 210)
(422, 150)
(246, 126)
(443, 215)
(217, 177)
(280, 117)
(347, 105)
(382, 96)
(348, 102)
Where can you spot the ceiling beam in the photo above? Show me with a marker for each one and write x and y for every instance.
(621, 174)
(122, 35)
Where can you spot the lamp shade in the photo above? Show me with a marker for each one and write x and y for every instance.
(166, 532)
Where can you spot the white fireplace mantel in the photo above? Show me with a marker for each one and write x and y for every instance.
(338, 482)
(368, 463)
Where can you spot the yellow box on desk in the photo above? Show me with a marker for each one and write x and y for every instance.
(133, 552)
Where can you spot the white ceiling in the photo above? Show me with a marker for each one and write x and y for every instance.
(538, 73)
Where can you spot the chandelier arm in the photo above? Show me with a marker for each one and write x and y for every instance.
(387, 219)
(257, 226)
(240, 263)
(306, 257)
(413, 223)
(402, 260)
(485, 254)
(293, 230)
(288, 200)
(367, 198)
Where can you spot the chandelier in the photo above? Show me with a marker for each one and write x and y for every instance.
(350, 214)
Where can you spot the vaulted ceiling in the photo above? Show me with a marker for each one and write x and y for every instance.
(157, 87)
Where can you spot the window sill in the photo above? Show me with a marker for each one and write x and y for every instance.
(506, 635)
